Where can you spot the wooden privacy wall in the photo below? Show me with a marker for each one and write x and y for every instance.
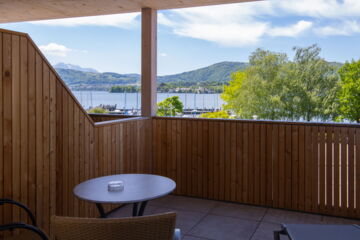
(27, 129)
(48, 143)
(306, 167)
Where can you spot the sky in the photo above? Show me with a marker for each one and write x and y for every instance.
(197, 37)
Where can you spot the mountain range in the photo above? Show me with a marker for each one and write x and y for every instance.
(78, 78)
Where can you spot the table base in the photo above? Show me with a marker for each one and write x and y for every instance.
(136, 212)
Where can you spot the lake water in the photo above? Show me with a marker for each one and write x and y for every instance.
(133, 100)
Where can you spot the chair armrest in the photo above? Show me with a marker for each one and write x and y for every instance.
(177, 234)
(12, 226)
(28, 211)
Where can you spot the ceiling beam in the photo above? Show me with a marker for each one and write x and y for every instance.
(31, 10)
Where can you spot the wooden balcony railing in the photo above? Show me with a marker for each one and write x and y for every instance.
(299, 166)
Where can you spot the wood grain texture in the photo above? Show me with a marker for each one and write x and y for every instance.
(48, 142)
(296, 166)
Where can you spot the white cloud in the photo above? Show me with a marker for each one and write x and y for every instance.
(115, 20)
(290, 31)
(55, 49)
(246, 24)
(345, 28)
(163, 54)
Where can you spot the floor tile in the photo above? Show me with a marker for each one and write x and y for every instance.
(185, 220)
(239, 210)
(127, 211)
(190, 204)
(266, 231)
(336, 220)
(224, 228)
(283, 216)
(159, 202)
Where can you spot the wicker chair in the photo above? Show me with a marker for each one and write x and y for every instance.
(155, 227)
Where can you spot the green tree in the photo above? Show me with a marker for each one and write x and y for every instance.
(171, 106)
(349, 94)
(256, 90)
(98, 110)
(272, 87)
(218, 114)
(310, 86)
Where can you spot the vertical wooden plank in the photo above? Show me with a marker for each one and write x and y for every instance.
(16, 121)
(269, 163)
(24, 123)
(282, 170)
(216, 160)
(239, 159)
(275, 140)
(357, 173)
(7, 123)
(250, 170)
(76, 162)
(328, 168)
(294, 166)
(308, 169)
(351, 172)
(263, 163)
(184, 167)
(70, 174)
(322, 169)
(336, 170)
(245, 163)
(39, 141)
(59, 146)
(179, 159)
(222, 161)
(315, 168)
(65, 152)
(301, 172)
(200, 159)
(227, 160)
(211, 175)
(257, 166)
(288, 167)
(52, 157)
(46, 147)
(233, 165)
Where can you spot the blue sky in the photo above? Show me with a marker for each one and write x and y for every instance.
(197, 37)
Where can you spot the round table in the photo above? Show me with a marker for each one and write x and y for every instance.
(138, 188)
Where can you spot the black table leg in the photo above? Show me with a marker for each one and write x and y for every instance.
(135, 209)
(101, 210)
(142, 208)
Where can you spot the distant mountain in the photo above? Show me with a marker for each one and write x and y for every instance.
(83, 80)
(218, 72)
(74, 67)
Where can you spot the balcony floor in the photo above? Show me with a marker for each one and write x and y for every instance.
(207, 219)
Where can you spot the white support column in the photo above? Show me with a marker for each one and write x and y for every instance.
(148, 61)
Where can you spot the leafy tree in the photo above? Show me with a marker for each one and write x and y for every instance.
(171, 106)
(218, 114)
(98, 110)
(310, 86)
(272, 87)
(256, 90)
(349, 94)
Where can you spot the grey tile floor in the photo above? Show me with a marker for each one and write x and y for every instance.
(206, 219)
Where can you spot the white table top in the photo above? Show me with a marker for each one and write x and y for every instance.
(138, 188)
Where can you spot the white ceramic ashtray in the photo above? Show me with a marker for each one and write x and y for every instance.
(115, 186)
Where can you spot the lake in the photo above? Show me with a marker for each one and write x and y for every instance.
(133, 100)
